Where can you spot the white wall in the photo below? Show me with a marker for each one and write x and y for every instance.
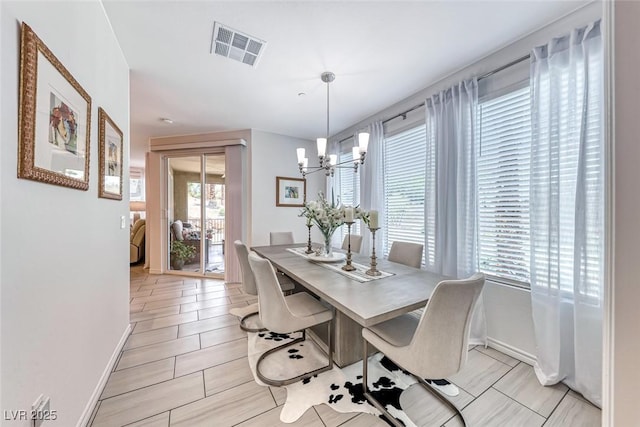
(275, 155)
(64, 270)
(509, 323)
(624, 409)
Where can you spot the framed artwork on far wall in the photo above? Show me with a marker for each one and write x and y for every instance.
(109, 157)
(54, 119)
(290, 192)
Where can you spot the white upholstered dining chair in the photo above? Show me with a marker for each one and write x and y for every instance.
(249, 284)
(406, 253)
(433, 346)
(284, 315)
(356, 243)
(281, 238)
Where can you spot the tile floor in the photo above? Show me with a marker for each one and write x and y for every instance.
(185, 364)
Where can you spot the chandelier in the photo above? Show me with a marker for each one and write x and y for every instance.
(329, 163)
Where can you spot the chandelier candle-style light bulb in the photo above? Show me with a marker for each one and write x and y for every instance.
(363, 142)
(305, 163)
(333, 159)
(322, 147)
(356, 154)
(300, 153)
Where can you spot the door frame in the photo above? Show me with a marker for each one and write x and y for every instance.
(165, 264)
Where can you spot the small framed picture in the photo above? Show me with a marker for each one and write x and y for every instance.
(109, 157)
(55, 118)
(290, 192)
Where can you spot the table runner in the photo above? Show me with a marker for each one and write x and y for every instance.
(358, 274)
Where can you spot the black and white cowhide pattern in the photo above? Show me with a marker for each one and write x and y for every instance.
(340, 389)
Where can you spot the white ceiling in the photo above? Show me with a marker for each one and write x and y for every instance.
(380, 51)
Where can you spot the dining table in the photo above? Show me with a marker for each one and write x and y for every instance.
(359, 300)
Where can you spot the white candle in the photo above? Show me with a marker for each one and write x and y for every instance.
(373, 219)
(348, 214)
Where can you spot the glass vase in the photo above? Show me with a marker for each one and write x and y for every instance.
(328, 250)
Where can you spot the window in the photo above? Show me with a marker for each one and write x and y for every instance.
(504, 132)
(404, 174)
(136, 185)
(349, 189)
(576, 139)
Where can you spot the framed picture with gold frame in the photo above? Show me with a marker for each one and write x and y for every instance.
(109, 157)
(54, 119)
(290, 192)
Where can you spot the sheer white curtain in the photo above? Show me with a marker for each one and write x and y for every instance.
(332, 185)
(451, 229)
(567, 210)
(372, 185)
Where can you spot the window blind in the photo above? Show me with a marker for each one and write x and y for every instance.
(349, 188)
(504, 129)
(405, 169)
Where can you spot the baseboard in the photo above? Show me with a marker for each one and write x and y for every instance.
(88, 410)
(514, 352)
(155, 271)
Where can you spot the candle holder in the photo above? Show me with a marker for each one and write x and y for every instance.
(348, 266)
(309, 249)
(373, 271)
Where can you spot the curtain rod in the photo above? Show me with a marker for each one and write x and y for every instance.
(505, 66)
(484, 76)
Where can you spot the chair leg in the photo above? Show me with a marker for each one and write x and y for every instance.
(440, 397)
(374, 401)
(243, 324)
(280, 383)
(365, 388)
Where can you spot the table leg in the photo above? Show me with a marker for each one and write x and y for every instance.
(348, 341)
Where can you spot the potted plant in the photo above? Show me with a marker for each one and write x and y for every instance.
(180, 253)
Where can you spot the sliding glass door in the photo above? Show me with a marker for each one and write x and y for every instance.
(195, 212)
(213, 212)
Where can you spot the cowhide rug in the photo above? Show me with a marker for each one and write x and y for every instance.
(340, 389)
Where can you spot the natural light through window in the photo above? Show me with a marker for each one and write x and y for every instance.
(504, 130)
(404, 174)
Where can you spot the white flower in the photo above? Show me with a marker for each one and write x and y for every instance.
(327, 217)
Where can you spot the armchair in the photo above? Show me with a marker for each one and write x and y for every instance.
(136, 241)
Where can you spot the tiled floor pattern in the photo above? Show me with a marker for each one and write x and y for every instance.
(185, 364)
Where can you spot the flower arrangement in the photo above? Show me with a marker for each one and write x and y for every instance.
(328, 217)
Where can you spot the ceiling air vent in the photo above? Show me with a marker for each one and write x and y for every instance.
(233, 44)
